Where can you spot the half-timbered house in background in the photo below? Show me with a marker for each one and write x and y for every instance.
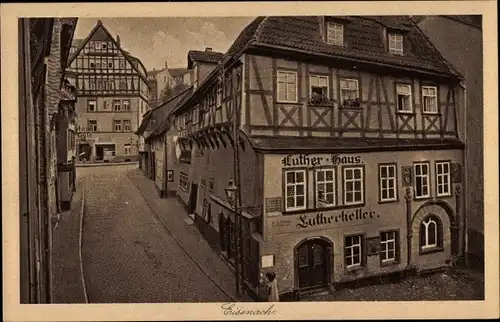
(349, 155)
(113, 96)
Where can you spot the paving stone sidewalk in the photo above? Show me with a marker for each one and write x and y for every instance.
(174, 217)
(67, 284)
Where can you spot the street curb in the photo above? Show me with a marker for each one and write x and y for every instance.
(85, 165)
(80, 238)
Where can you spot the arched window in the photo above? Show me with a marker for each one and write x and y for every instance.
(430, 233)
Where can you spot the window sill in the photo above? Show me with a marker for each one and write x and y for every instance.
(287, 102)
(354, 270)
(422, 198)
(432, 113)
(350, 108)
(309, 210)
(431, 250)
(389, 263)
(388, 201)
(406, 113)
(444, 196)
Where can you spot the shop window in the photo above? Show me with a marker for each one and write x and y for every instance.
(183, 181)
(421, 180)
(325, 188)
(388, 246)
(295, 190)
(349, 93)
(431, 233)
(403, 93)
(429, 97)
(353, 251)
(387, 182)
(353, 185)
(396, 44)
(318, 90)
(287, 87)
(443, 179)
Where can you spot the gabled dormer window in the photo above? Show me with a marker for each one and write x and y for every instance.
(396, 43)
(334, 33)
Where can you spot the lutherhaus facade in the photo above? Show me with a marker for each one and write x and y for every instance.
(112, 97)
(460, 40)
(46, 136)
(349, 151)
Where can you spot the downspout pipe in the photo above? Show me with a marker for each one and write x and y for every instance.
(464, 243)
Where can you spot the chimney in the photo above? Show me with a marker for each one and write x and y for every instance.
(118, 40)
(208, 49)
(166, 64)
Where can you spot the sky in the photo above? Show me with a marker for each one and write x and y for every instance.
(156, 40)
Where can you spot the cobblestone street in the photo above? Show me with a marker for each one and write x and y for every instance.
(127, 254)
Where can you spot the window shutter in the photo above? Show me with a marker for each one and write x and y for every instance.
(397, 246)
(422, 234)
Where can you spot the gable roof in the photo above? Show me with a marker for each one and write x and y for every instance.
(206, 56)
(100, 32)
(178, 72)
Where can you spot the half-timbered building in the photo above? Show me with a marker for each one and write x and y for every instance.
(349, 158)
(112, 97)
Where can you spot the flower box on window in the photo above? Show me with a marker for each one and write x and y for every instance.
(320, 100)
(351, 103)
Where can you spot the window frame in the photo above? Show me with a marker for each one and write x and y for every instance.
(437, 174)
(115, 123)
(115, 105)
(396, 240)
(286, 72)
(344, 184)
(395, 178)
(395, 50)
(349, 79)
(362, 252)
(285, 185)
(431, 248)
(411, 111)
(424, 111)
(94, 127)
(89, 104)
(183, 175)
(126, 105)
(335, 186)
(319, 76)
(127, 146)
(330, 25)
(129, 125)
(419, 163)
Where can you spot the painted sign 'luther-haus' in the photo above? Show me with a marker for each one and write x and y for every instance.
(335, 114)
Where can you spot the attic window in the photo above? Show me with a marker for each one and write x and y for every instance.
(335, 34)
(396, 44)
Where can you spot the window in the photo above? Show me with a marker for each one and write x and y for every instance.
(97, 45)
(92, 125)
(387, 177)
(429, 97)
(92, 63)
(404, 98)
(421, 180)
(335, 34)
(396, 44)
(127, 126)
(353, 186)
(110, 64)
(98, 64)
(122, 63)
(388, 244)
(92, 84)
(287, 86)
(295, 190)
(183, 181)
(211, 184)
(349, 93)
(92, 106)
(127, 149)
(318, 87)
(117, 105)
(353, 251)
(123, 84)
(325, 188)
(430, 233)
(117, 125)
(443, 179)
(219, 95)
(104, 45)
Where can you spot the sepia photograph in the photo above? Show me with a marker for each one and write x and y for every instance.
(241, 159)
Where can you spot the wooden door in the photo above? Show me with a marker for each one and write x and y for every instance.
(313, 263)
